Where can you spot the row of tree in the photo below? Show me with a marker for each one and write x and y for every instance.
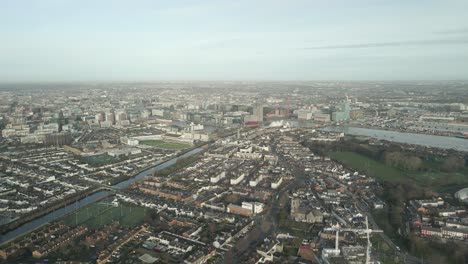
(453, 163)
(395, 156)
(402, 160)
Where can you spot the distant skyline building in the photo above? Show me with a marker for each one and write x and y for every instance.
(256, 116)
(99, 117)
(304, 114)
(258, 112)
(110, 117)
(342, 112)
(120, 115)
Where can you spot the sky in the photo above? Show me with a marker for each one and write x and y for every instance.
(151, 40)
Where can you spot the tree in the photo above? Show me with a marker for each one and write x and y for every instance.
(403, 161)
(393, 158)
(414, 163)
(453, 163)
(395, 216)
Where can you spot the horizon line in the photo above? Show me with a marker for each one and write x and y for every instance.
(227, 80)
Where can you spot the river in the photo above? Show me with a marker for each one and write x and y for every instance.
(29, 226)
(442, 142)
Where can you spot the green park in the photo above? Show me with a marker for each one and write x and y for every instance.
(431, 174)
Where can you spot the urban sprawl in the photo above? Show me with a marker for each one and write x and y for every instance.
(234, 172)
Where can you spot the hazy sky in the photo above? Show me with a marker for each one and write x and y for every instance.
(62, 40)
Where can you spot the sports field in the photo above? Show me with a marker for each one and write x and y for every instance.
(98, 214)
(164, 144)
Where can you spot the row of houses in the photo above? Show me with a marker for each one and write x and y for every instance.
(445, 232)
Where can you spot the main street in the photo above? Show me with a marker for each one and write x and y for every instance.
(267, 224)
(403, 256)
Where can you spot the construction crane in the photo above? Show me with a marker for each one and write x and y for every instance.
(366, 231)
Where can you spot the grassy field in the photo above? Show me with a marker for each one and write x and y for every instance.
(370, 166)
(165, 144)
(98, 214)
(443, 181)
(99, 160)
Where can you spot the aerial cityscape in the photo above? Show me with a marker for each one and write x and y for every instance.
(261, 131)
(207, 172)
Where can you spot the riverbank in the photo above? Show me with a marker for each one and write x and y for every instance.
(43, 211)
(441, 142)
(411, 130)
(34, 223)
(152, 165)
(4, 243)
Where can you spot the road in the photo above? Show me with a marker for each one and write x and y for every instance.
(402, 255)
(270, 218)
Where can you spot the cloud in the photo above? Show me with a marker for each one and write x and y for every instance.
(393, 44)
(220, 43)
(457, 31)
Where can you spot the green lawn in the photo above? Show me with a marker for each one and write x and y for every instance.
(165, 144)
(371, 167)
(441, 181)
(98, 214)
(99, 160)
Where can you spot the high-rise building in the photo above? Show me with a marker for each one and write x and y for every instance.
(110, 117)
(258, 112)
(99, 117)
(120, 115)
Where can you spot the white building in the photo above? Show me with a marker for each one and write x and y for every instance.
(218, 177)
(275, 185)
(256, 181)
(129, 141)
(255, 207)
(304, 114)
(105, 124)
(123, 151)
(238, 179)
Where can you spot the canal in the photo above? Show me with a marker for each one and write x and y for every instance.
(54, 215)
(442, 142)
